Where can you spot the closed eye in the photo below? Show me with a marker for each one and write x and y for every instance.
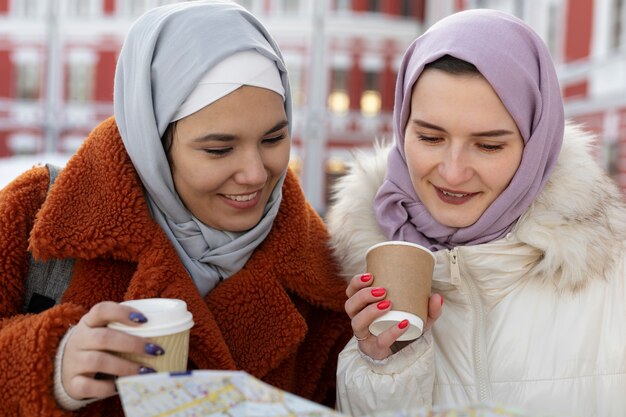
(274, 140)
(218, 151)
(429, 139)
(490, 148)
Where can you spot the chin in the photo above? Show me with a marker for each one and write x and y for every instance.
(455, 222)
(240, 227)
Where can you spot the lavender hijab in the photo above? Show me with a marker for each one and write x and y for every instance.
(517, 64)
(165, 54)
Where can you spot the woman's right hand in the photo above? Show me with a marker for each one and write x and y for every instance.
(87, 357)
(365, 304)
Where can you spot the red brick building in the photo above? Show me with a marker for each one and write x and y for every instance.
(57, 60)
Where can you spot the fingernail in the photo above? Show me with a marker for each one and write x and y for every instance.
(146, 370)
(378, 292)
(383, 304)
(137, 317)
(441, 300)
(366, 277)
(154, 350)
(403, 324)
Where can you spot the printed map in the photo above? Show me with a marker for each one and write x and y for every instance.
(238, 394)
(211, 393)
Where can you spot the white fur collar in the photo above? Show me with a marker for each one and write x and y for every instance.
(578, 221)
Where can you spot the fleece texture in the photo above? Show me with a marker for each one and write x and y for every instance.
(280, 318)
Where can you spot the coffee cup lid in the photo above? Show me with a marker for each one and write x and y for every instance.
(165, 316)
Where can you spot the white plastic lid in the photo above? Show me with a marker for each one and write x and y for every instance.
(165, 316)
(392, 318)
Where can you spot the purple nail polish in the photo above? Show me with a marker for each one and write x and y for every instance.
(146, 370)
(137, 317)
(154, 350)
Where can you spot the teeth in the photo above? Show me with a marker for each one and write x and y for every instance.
(241, 197)
(453, 194)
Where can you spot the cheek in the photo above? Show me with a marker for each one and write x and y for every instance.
(195, 178)
(417, 163)
(506, 169)
(277, 159)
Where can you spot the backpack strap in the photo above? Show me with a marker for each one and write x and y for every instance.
(47, 280)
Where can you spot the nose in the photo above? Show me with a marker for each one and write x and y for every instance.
(251, 169)
(455, 167)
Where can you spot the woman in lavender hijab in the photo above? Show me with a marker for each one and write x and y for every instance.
(527, 230)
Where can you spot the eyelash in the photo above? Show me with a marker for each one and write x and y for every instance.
(225, 151)
(429, 139)
(491, 148)
(275, 139)
(483, 146)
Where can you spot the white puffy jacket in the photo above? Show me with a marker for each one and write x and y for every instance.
(536, 320)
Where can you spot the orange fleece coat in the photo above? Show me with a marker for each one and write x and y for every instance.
(280, 318)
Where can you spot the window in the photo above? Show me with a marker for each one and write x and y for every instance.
(339, 100)
(28, 81)
(79, 8)
(617, 24)
(132, 8)
(291, 6)
(80, 84)
(295, 82)
(27, 65)
(374, 5)
(24, 143)
(406, 8)
(246, 4)
(370, 98)
(342, 5)
(552, 39)
(613, 159)
(26, 8)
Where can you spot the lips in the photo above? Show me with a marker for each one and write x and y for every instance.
(241, 197)
(454, 197)
(242, 201)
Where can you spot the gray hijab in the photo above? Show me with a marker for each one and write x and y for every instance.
(165, 54)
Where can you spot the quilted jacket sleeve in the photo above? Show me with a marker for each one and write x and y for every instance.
(403, 380)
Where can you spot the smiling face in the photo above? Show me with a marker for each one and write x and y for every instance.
(227, 157)
(461, 144)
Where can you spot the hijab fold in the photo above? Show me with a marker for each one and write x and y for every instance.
(165, 55)
(518, 66)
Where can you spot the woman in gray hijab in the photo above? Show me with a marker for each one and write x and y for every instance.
(185, 193)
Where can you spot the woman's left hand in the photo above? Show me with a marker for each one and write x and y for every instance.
(364, 305)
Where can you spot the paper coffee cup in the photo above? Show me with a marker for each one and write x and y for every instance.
(405, 270)
(168, 326)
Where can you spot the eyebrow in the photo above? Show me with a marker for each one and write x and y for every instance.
(227, 137)
(487, 133)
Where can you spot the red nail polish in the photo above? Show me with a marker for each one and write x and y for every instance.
(366, 277)
(378, 292)
(383, 304)
(403, 324)
(441, 300)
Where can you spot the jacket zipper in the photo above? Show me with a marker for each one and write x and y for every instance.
(477, 335)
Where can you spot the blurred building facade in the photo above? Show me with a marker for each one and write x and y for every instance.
(57, 60)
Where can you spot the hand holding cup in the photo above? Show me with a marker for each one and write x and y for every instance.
(369, 300)
(168, 326)
(405, 270)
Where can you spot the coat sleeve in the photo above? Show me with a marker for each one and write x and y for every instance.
(28, 347)
(28, 342)
(401, 381)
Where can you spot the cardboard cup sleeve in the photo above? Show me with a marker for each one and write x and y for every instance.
(405, 270)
